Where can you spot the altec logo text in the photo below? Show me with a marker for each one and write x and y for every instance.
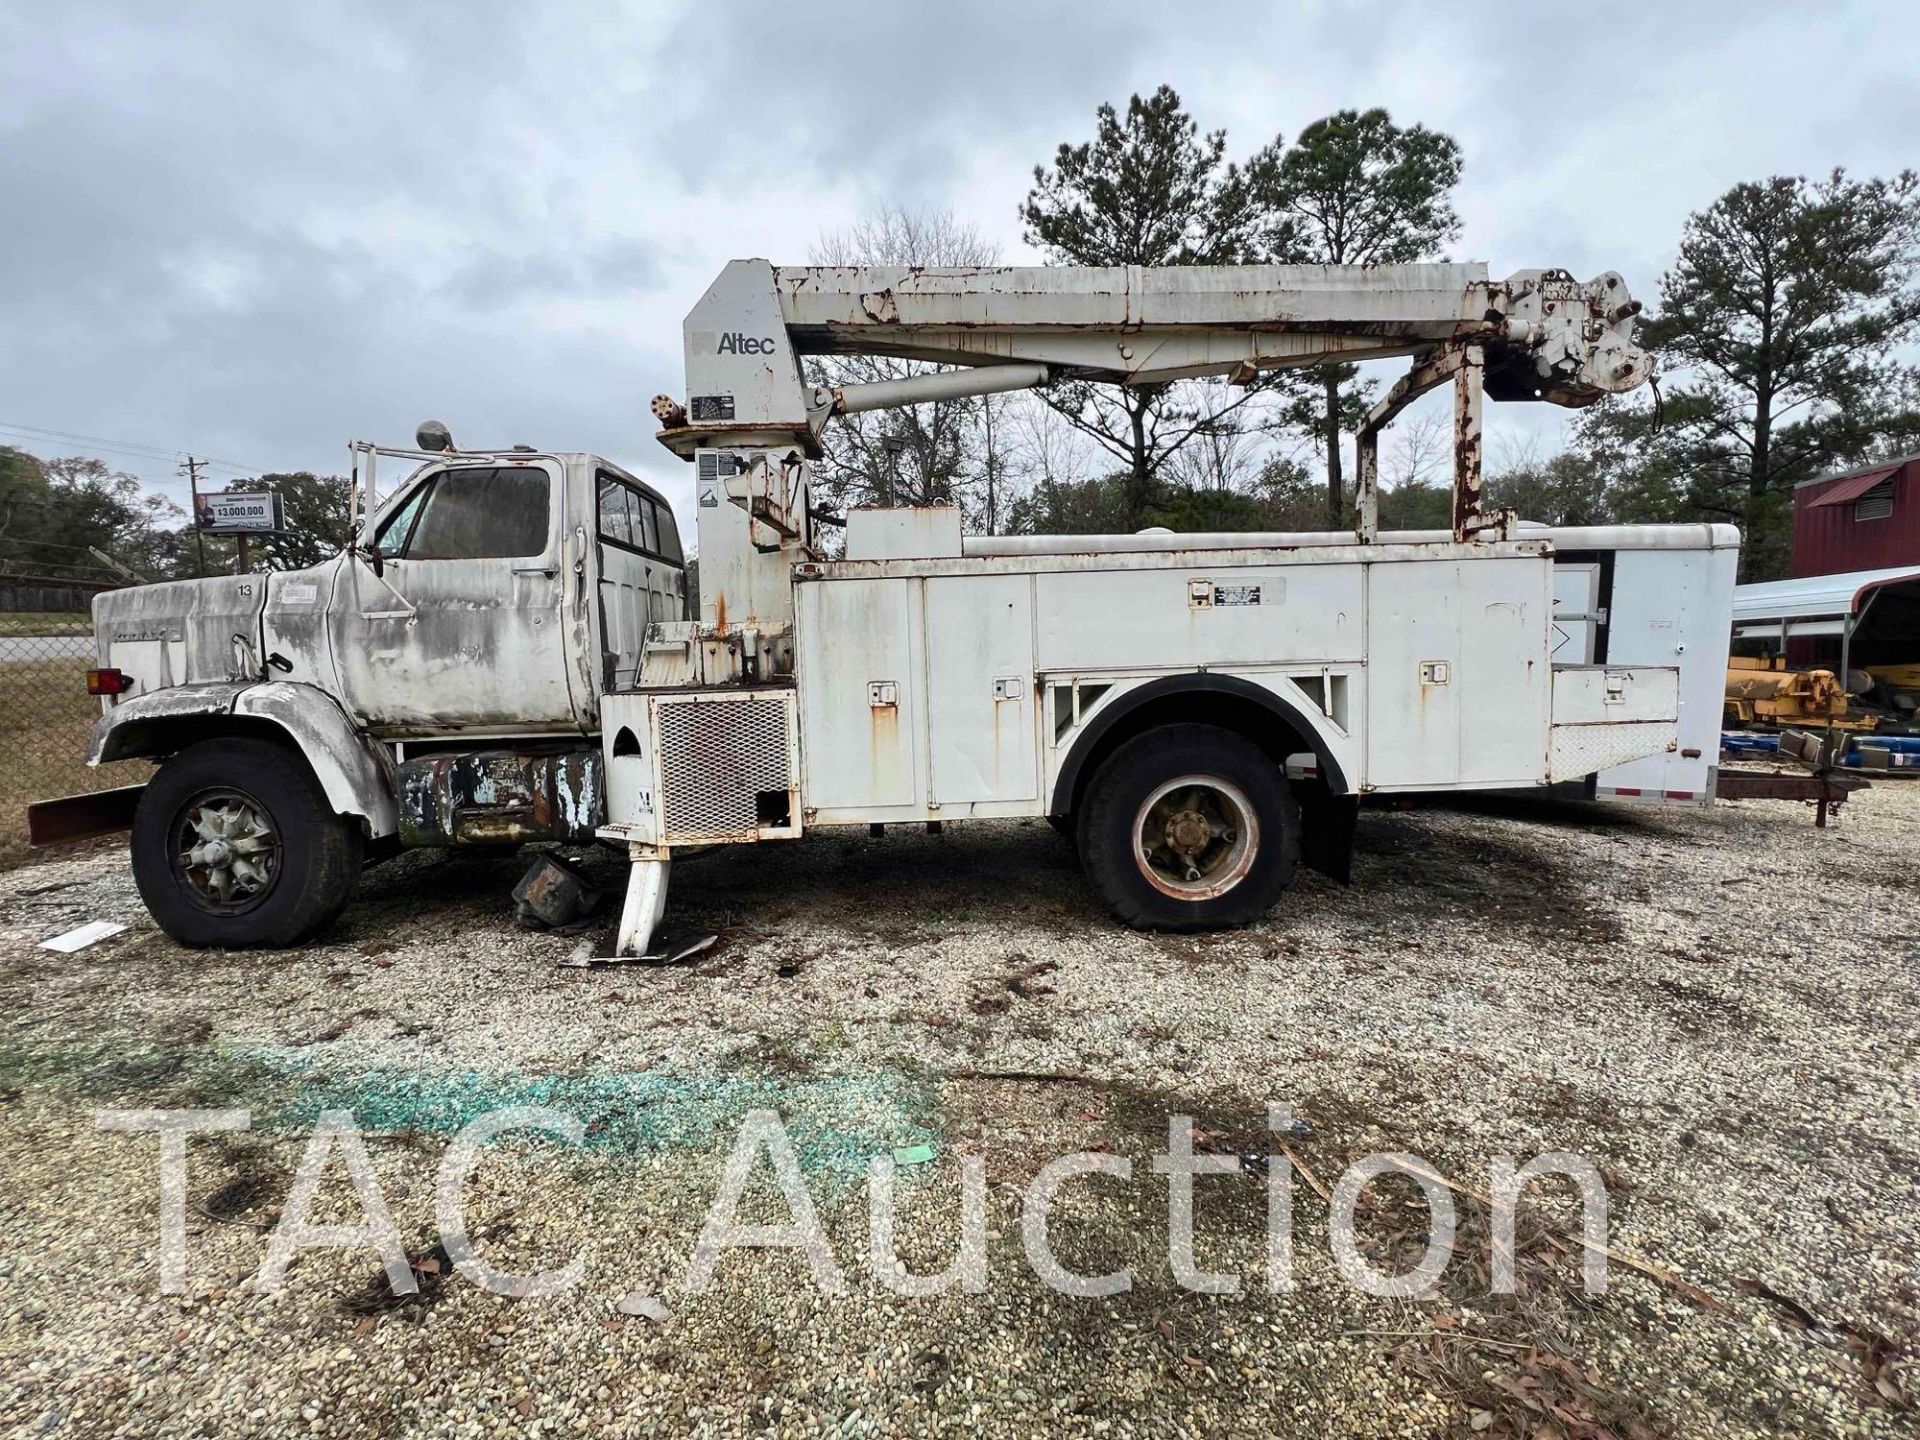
(734, 343)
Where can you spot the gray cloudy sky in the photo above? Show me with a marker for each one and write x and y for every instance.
(256, 230)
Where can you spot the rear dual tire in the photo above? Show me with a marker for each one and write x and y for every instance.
(1189, 827)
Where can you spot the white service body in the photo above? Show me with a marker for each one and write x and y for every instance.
(958, 683)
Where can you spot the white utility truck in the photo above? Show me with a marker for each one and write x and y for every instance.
(502, 656)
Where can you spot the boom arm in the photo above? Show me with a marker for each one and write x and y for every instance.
(1135, 325)
(1537, 335)
(1546, 336)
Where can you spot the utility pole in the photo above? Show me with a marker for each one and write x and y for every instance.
(192, 467)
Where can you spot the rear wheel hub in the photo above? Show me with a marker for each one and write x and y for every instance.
(1195, 837)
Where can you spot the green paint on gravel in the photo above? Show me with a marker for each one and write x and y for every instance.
(835, 1121)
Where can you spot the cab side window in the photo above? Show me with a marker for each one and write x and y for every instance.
(669, 534)
(395, 529)
(616, 511)
(482, 513)
(638, 521)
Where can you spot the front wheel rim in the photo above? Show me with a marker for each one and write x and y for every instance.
(1195, 837)
(225, 851)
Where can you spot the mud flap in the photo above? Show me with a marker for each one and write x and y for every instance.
(1326, 843)
(81, 817)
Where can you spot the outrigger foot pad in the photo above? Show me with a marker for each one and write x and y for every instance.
(646, 900)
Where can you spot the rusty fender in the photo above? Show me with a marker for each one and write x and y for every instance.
(343, 762)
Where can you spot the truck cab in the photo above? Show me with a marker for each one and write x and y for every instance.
(437, 682)
(502, 593)
(495, 593)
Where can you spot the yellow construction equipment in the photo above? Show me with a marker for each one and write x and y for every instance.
(1763, 691)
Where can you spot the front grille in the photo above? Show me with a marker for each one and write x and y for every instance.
(717, 757)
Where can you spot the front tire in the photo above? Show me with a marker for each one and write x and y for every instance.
(1189, 827)
(234, 845)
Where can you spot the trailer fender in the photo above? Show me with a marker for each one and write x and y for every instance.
(349, 771)
(1201, 687)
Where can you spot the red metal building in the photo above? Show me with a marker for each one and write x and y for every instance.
(1861, 520)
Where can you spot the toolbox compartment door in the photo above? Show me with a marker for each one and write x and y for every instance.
(1457, 672)
(980, 689)
(858, 668)
(1606, 715)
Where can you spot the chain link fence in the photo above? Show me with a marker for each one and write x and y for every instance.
(46, 715)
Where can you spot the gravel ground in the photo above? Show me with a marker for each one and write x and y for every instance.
(1717, 1007)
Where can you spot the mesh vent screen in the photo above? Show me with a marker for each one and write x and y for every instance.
(716, 756)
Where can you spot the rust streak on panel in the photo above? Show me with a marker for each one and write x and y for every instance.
(1467, 476)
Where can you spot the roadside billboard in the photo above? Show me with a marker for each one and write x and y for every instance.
(237, 512)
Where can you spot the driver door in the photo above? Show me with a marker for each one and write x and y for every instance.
(463, 631)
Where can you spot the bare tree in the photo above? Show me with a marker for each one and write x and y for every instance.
(1222, 453)
(1417, 450)
(1048, 449)
(1517, 451)
(993, 414)
(1055, 470)
(926, 454)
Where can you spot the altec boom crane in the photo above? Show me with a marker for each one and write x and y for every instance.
(905, 710)
(1538, 335)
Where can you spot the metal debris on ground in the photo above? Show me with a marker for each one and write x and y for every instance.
(671, 949)
(1028, 983)
(553, 895)
(912, 1154)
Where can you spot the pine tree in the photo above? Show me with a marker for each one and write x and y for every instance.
(1148, 189)
(1782, 316)
(1354, 189)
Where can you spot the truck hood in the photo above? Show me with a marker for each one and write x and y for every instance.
(179, 632)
